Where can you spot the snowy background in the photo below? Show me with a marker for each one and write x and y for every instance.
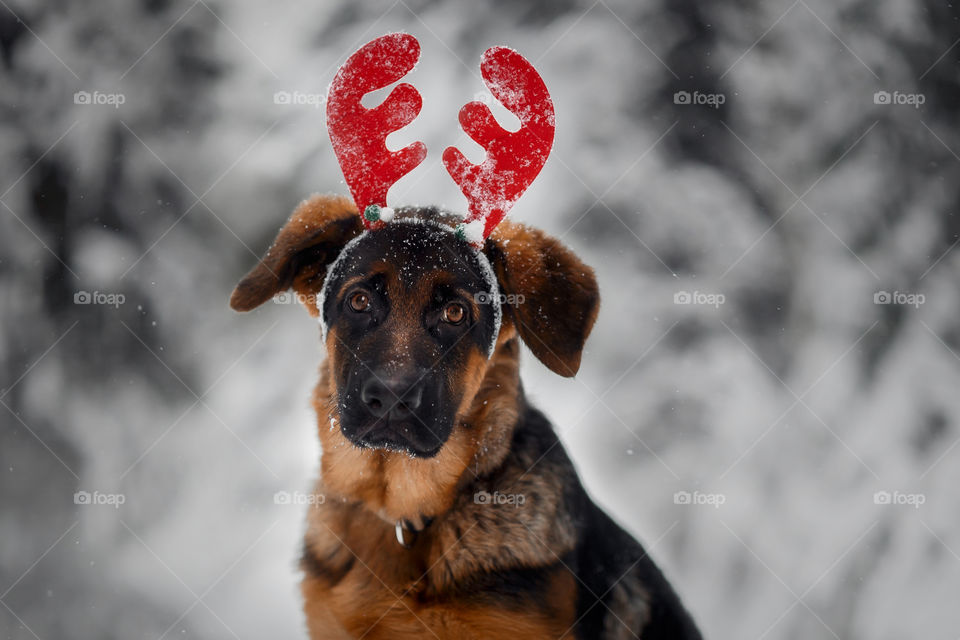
(783, 196)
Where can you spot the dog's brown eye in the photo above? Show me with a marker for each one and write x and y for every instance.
(454, 313)
(359, 301)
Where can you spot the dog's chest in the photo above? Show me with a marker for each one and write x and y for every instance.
(382, 591)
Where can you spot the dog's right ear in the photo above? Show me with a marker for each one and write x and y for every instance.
(555, 293)
(312, 238)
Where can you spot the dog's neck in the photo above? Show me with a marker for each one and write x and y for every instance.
(398, 487)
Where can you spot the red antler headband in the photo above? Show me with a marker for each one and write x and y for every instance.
(513, 159)
(359, 134)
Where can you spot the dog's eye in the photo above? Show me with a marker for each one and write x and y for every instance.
(454, 313)
(359, 301)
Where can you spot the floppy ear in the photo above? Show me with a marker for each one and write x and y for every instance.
(555, 295)
(312, 238)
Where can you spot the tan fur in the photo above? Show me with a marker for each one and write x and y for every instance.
(322, 222)
(531, 264)
(366, 491)
(397, 486)
(359, 582)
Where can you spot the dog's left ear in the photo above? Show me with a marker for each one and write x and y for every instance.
(312, 238)
(555, 295)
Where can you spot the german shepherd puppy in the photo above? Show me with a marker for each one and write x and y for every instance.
(450, 507)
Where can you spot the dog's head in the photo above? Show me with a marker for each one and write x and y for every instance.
(412, 313)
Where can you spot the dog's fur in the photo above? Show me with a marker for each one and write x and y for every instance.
(548, 564)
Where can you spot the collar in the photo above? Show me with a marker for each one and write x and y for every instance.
(407, 532)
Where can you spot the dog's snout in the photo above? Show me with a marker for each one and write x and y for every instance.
(395, 411)
(398, 397)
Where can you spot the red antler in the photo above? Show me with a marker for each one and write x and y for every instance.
(513, 158)
(359, 134)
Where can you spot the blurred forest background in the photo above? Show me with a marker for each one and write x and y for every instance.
(785, 444)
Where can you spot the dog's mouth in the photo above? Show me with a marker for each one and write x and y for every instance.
(399, 436)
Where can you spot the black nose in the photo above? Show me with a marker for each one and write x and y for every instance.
(397, 396)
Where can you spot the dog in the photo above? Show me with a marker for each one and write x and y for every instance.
(450, 508)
